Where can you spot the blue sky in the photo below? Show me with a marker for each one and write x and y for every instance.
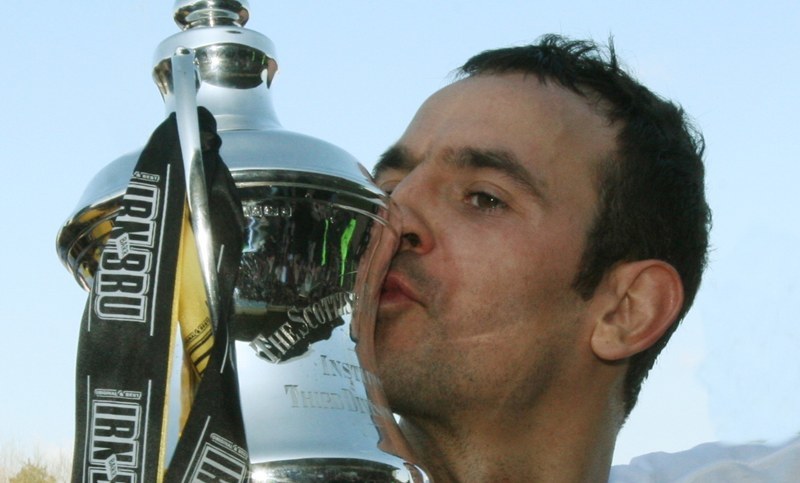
(78, 94)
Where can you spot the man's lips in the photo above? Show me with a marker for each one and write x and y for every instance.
(396, 290)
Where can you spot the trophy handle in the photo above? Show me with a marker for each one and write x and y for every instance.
(185, 81)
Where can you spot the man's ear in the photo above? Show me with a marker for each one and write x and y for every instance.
(634, 305)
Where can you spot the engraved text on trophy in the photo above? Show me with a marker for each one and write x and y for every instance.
(304, 325)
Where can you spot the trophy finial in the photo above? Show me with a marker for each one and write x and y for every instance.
(209, 13)
(234, 63)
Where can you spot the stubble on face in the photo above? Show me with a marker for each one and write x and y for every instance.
(439, 375)
(403, 372)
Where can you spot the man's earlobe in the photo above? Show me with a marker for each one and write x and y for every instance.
(636, 303)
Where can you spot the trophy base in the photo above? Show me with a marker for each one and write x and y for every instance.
(332, 470)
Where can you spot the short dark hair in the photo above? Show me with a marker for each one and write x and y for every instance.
(651, 191)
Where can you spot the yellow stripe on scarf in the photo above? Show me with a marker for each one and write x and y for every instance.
(193, 315)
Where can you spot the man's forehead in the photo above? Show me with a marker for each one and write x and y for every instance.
(543, 137)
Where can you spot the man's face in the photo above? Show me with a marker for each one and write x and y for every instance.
(495, 178)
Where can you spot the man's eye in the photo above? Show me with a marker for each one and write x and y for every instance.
(485, 201)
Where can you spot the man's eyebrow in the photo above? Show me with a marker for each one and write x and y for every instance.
(504, 162)
(400, 159)
(396, 158)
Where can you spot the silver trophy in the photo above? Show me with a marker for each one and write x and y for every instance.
(319, 239)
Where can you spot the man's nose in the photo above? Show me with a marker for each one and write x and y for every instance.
(415, 199)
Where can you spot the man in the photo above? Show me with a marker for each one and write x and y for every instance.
(555, 231)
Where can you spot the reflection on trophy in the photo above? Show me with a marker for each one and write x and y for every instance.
(319, 238)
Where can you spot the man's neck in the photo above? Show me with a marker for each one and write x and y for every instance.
(481, 448)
